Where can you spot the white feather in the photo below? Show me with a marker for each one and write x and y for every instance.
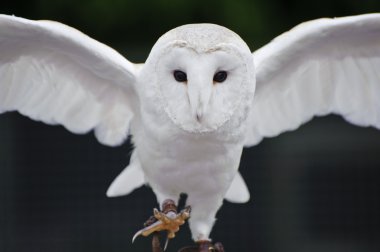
(189, 135)
(238, 191)
(55, 74)
(319, 67)
(128, 180)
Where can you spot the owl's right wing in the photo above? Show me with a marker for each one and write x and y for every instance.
(55, 74)
(319, 67)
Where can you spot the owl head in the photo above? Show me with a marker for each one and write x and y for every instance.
(203, 75)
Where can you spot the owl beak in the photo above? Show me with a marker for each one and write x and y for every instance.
(199, 98)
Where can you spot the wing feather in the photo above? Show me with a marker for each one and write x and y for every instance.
(238, 191)
(55, 74)
(319, 67)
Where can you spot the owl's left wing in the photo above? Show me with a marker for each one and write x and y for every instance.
(55, 74)
(319, 67)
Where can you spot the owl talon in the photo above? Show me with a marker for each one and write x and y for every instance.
(167, 220)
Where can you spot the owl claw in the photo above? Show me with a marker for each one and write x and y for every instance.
(148, 230)
(166, 243)
(167, 220)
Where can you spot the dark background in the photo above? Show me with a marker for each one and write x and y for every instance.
(315, 189)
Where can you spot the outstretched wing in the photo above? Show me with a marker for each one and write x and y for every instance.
(55, 74)
(319, 67)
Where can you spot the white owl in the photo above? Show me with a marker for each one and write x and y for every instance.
(197, 101)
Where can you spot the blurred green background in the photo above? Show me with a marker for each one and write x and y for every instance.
(315, 189)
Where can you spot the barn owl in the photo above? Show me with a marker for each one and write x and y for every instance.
(197, 101)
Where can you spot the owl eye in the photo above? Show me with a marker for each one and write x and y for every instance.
(220, 76)
(180, 76)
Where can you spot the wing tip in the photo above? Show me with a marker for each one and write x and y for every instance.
(242, 199)
(112, 192)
